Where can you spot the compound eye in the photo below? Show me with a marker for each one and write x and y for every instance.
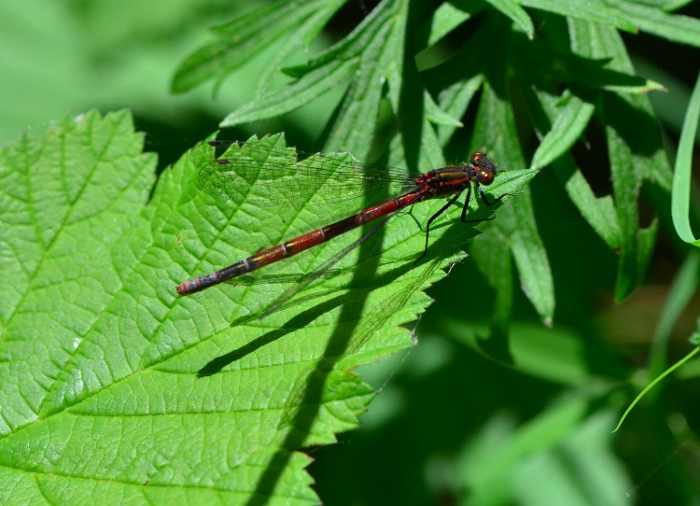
(476, 158)
(485, 177)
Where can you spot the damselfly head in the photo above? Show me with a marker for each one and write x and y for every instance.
(484, 168)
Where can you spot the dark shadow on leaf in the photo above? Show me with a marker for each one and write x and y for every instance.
(299, 321)
(284, 278)
(303, 413)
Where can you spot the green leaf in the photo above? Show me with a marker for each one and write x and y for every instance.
(455, 100)
(328, 71)
(531, 461)
(636, 154)
(626, 192)
(594, 11)
(599, 212)
(599, 478)
(548, 429)
(379, 59)
(111, 385)
(298, 41)
(531, 258)
(628, 171)
(240, 39)
(681, 291)
(437, 116)
(512, 9)
(296, 94)
(680, 206)
(457, 90)
(682, 29)
(572, 117)
(668, 5)
(535, 59)
(515, 230)
(53, 193)
(446, 18)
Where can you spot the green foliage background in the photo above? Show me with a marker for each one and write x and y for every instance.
(494, 405)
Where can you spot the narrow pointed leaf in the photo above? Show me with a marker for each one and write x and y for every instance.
(682, 29)
(571, 120)
(445, 19)
(680, 206)
(512, 9)
(515, 227)
(239, 40)
(360, 106)
(327, 71)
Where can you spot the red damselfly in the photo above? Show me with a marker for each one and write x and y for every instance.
(229, 176)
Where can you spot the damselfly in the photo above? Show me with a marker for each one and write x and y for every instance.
(229, 176)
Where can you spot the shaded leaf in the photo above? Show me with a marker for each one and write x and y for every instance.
(329, 70)
(571, 119)
(240, 40)
(515, 230)
(512, 9)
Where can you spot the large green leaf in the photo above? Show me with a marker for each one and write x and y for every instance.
(111, 385)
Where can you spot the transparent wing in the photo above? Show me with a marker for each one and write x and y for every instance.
(257, 171)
